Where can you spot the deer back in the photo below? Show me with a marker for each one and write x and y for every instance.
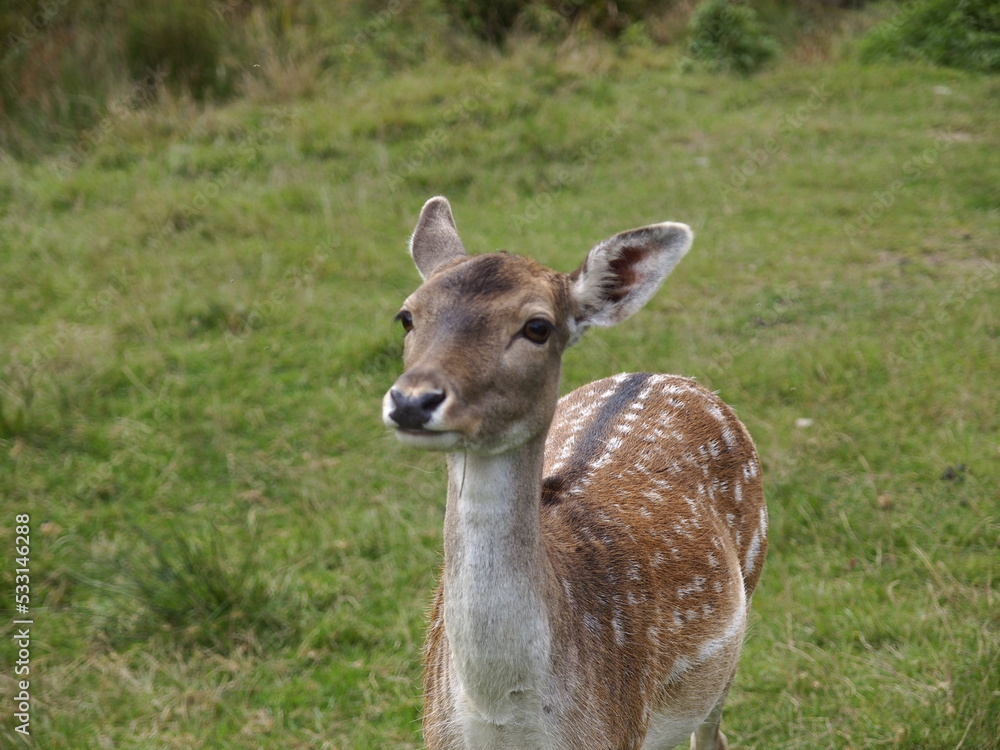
(653, 512)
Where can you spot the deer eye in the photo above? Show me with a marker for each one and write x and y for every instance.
(404, 317)
(537, 330)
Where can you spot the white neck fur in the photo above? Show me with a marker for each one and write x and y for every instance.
(494, 579)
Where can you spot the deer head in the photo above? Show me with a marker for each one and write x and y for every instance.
(485, 334)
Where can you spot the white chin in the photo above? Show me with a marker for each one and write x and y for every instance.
(430, 440)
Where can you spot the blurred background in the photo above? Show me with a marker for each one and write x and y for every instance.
(65, 65)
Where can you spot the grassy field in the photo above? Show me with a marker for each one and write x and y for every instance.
(227, 550)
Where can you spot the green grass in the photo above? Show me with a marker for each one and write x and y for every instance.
(228, 551)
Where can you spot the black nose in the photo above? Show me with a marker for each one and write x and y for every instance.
(413, 412)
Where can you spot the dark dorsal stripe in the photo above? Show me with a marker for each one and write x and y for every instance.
(592, 443)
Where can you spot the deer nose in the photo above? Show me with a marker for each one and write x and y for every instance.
(412, 412)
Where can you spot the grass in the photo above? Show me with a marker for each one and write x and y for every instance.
(228, 551)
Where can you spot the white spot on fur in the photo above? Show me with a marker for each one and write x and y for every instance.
(569, 592)
(755, 542)
(618, 628)
(653, 633)
(734, 629)
(729, 436)
(681, 665)
(696, 586)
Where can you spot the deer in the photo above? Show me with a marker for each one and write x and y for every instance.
(600, 549)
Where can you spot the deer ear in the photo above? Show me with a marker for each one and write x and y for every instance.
(621, 273)
(435, 240)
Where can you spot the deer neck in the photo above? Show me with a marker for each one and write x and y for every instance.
(495, 578)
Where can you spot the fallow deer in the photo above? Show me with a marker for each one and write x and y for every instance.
(600, 550)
